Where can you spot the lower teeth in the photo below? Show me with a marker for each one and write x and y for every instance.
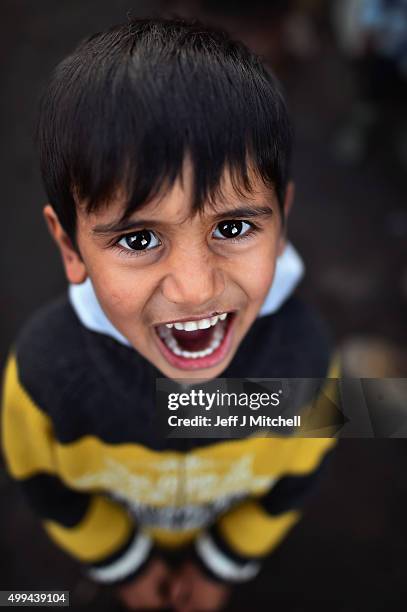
(174, 347)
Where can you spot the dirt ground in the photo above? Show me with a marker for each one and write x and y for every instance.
(349, 223)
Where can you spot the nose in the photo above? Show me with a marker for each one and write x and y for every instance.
(193, 280)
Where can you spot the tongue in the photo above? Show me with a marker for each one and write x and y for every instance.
(193, 340)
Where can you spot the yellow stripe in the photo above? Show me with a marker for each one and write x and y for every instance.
(26, 430)
(319, 417)
(90, 455)
(308, 455)
(335, 367)
(103, 530)
(172, 539)
(250, 531)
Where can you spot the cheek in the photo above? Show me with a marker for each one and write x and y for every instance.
(122, 293)
(122, 287)
(256, 270)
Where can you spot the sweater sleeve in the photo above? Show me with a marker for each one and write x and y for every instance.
(91, 527)
(233, 548)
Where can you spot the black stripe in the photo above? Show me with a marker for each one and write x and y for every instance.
(117, 555)
(225, 549)
(291, 492)
(130, 577)
(52, 500)
(221, 545)
(205, 569)
(89, 384)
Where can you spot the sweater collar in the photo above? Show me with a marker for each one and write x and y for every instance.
(289, 271)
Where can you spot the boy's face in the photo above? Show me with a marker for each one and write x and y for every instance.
(184, 290)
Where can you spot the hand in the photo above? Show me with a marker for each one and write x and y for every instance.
(150, 590)
(192, 591)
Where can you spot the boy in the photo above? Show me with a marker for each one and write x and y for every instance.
(165, 155)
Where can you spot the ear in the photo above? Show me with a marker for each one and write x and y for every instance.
(75, 269)
(288, 202)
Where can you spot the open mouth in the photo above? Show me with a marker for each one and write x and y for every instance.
(192, 345)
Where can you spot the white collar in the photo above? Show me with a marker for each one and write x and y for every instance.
(289, 271)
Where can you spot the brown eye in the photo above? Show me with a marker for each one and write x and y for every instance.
(231, 229)
(142, 240)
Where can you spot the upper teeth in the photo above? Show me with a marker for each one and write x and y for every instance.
(201, 324)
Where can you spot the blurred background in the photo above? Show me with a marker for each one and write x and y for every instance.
(343, 66)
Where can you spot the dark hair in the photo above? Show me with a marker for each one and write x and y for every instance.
(128, 105)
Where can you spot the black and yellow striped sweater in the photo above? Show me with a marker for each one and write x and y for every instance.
(78, 435)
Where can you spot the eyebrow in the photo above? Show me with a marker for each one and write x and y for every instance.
(121, 226)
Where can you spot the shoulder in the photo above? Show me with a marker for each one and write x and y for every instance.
(46, 350)
(302, 339)
(49, 338)
(58, 370)
(293, 342)
(300, 323)
(75, 376)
